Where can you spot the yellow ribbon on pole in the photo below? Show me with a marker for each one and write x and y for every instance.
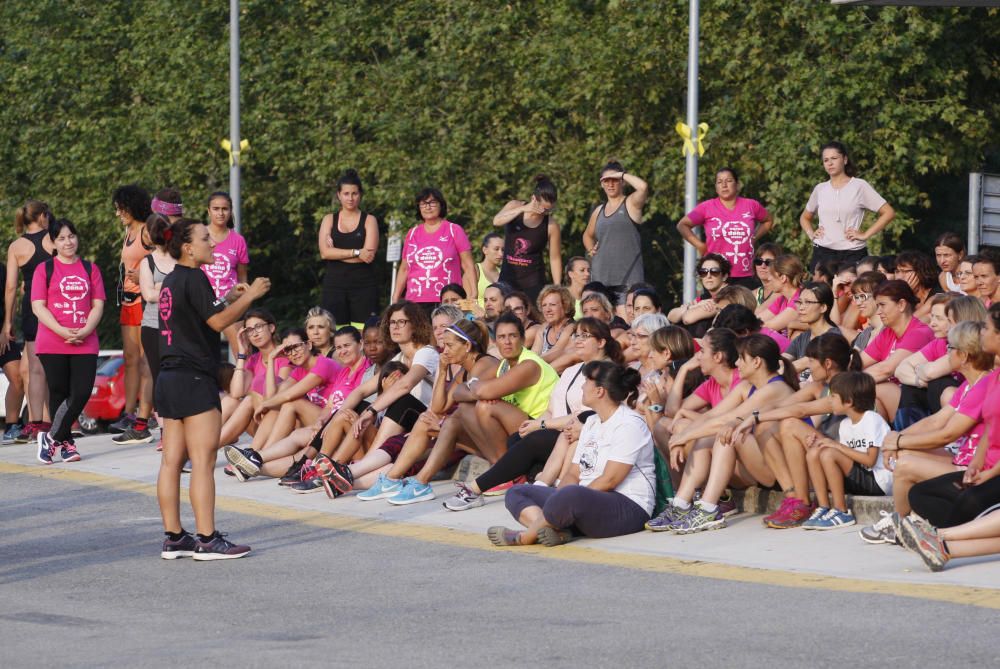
(234, 156)
(684, 130)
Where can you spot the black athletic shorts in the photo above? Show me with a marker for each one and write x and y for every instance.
(12, 353)
(405, 411)
(185, 392)
(861, 481)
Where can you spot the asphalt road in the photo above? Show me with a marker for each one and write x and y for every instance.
(82, 584)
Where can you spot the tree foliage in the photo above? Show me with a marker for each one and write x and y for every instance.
(475, 98)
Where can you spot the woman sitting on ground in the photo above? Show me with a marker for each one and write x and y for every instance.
(966, 278)
(535, 440)
(277, 458)
(764, 256)
(464, 343)
(597, 305)
(637, 354)
(557, 306)
(767, 380)
(921, 275)
(320, 328)
(713, 272)
(610, 490)
(250, 380)
(813, 308)
(786, 279)
(945, 441)
(521, 306)
(670, 348)
(863, 296)
(744, 322)
(901, 335)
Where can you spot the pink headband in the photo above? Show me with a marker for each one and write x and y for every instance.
(167, 208)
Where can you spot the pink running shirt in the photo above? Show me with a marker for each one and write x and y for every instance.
(711, 391)
(729, 232)
(228, 253)
(69, 297)
(432, 260)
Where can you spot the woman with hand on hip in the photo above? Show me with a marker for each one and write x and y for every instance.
(841, 204)
(187, 390)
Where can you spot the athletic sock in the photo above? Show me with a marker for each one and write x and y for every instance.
(140, 424)
(682, 504)
(206, 539)
(705, 506)
(176, 536)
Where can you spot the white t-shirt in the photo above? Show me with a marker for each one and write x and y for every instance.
(568, 390)
(426, 357)
(841, 209)
(869, 432)
(623, 438)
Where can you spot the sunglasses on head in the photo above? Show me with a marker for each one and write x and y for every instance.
(705, 271)
(762, 262)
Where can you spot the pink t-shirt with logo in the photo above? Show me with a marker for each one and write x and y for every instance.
(711, 391)
(345, 382)
(729, 232)
(781, 340)
(327, 370)
(781, 303)
(969, 402)
(432, 260)
(69, 296)
(257, 366)
(938, 348)
(991, 417)
(228, 253)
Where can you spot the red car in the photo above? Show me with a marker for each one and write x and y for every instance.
(107, 397)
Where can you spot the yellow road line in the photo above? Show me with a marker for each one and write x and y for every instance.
(953, 594)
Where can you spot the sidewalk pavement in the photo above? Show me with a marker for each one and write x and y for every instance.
(744, 544)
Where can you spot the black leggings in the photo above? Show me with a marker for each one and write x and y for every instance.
(523, 454)
(945, 502)
(592, 513)
(70, 379)
(350, 304)
(150, 338)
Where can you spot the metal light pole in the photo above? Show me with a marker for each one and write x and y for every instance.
(234, 110)
(691, 167)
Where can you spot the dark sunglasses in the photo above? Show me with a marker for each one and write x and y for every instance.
(761, 262)
(714, 271)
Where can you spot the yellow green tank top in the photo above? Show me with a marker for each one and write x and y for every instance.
(533, 400)
(483, 284)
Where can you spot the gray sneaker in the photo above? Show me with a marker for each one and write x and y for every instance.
(133, 436)
(663, 521)
(698, 520)
(463, 499)
(883, 531)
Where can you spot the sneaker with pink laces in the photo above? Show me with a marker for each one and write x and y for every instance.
(502, 488)
(68, 452)
(792, 513)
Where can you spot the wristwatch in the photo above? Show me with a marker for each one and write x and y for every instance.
(357, 253)
(542, 424)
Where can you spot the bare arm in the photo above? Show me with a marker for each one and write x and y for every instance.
(469, 274)
(590, 234)
(906, 371)
(400, 288)
(881, 371)
(236, 309)
(150, 291)
(555, 252)
(614, 473)
(520, 376)
(763, 228)
(10, 292)
(805, 222)
(637, 200)
(686, 228)
(885, 215)
(327, 250)
(510, 211)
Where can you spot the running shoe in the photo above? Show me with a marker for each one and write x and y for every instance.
(926, 542)
(502, 489)
(817, 515)
(550, 536)
(727, 505)
(122, 424)
(662, 522)
(792, 513)
(183, 547)
(463, 499)
(698, 520)
(412, 491)
(338, 479)
(68, 452)
(28, 433)
(152, 424)
(11, 434)
(218, 548)
(228, 470)
(383, 487)
(883, 531)
(313, 484)
(130, 435)
(294, 472)
(833, 519)
(246, 462)
(46, 448)
(159, 445)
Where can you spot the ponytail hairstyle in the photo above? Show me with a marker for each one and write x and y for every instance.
(223, 194)
(723, 340)
(174, 236)
(765, 348)
(834, 347)
(849, 168)
(622, 383)
(29, 213)
(475, 332)
(544, 189)
(675, 339)
(156, 226)
(600, 330)
(350, 178)
(789, 266)
(168, 202)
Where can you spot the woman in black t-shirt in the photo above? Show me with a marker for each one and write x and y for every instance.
(187, 389)
(528, 226)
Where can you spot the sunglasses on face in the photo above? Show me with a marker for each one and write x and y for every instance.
(763, 262)
(714, 271)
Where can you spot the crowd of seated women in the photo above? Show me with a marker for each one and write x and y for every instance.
(602, 412)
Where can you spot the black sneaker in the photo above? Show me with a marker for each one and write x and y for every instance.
(246, 462)
(122, 424)
(183, 547)
(133, 436)
(294, 473)
(314, 484)
(218, 548)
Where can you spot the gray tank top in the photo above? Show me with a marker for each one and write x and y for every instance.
(150, 312)
(619, 253)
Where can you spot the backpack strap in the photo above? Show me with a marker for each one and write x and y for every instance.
(50, 269)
